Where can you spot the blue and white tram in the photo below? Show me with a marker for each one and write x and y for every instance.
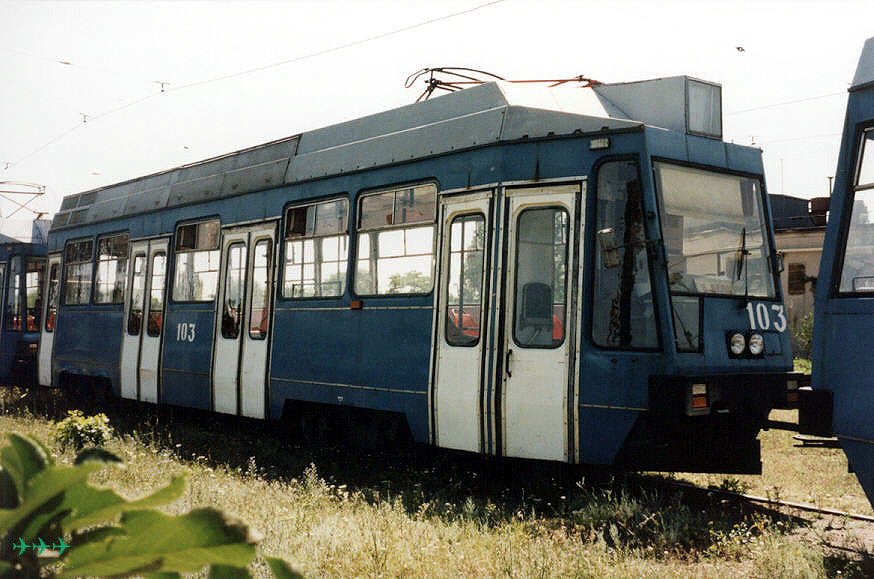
(587, 280)
(843, 345)
(22, 271)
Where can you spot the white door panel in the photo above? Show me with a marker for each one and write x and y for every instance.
(47, 337)
(239, 369)
(150, 347)
(143, 320)
(134, 318)
(538, 309)
(461, 322)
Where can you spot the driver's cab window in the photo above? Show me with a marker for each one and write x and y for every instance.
(622, 308)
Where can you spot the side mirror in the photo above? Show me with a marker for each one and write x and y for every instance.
(779, 262)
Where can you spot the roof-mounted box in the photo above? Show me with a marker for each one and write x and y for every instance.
(677, 103)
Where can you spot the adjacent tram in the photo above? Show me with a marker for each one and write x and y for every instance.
(586, 277)
(843, 345)
(22, 273)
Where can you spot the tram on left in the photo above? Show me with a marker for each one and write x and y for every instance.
(22, 277)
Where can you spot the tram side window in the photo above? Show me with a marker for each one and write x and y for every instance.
(13, 295)
(395, 253)
(857, 275)
(541, 277)
(77, 272)
(33, 283)
(316, 250)
(52, 309)
(137, 292)
(259, 307)
(156, 294)
(465, 275)
(112, 256)
(197, 262)
(622, 309)
(235, 285)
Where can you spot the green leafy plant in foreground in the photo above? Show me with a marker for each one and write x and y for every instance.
(108, 535)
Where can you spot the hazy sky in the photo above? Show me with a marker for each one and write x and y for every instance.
(785, 91)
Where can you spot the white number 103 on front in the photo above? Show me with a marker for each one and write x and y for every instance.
(760, 316)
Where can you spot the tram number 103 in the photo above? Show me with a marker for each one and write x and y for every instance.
(760, 316)
(185, 332)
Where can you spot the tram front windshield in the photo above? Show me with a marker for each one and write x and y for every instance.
(714, 232)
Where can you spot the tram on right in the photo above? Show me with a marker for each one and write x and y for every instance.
(843, 341)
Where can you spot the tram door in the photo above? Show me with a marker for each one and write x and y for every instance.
(461, 322)
(49, 322)
(538, 388)
(144, 320)
(240, 354)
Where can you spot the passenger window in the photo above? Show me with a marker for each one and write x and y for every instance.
(13, 296)
(77, 272)
(857, 275)
(259, 310)
(465, 275)
(112, 255)
(156, 294)
(33, 283)
(197, 262)
(235, 285)
(137, 293)
(541, 277)
(395, 253)
(316, 250)
(52, 308)
(622, 308)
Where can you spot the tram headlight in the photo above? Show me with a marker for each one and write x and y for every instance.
(737, 343)
(757, 344)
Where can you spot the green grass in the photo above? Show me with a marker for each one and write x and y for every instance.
(337, 511)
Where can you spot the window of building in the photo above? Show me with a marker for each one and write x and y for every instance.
(112, 256)
(395, 253)
(797, 278)
(77, 271)
(316, 250)
(197, 262)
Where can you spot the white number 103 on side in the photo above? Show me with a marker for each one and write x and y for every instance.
(760, 316)
(185, 332)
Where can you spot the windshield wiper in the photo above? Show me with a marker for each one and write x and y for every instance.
(743, 252)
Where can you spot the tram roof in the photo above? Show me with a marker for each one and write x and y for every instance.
(486, 114)
(865, 70)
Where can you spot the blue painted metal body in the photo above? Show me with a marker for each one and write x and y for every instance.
(843, 345)
(379, 357)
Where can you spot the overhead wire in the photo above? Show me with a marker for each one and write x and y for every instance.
(792, 102)
(164, 90)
